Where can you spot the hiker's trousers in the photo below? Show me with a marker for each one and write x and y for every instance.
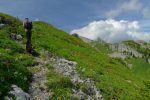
(28, 44)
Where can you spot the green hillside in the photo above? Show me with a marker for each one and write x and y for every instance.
(13, 59)
(140, 67)
(113, 79)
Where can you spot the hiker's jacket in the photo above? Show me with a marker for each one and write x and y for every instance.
(27, 25)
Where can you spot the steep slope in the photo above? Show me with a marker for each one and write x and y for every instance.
(135, 55)
(13, 59)
(112, 78)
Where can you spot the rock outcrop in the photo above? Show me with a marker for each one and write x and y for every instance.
(118, 55)
(125, 50)
(149, 60)
(2, 25)
(18, 94)
(14, 36)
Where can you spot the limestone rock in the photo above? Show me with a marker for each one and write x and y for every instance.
(1, 25)
(130, 66)
(18, 93)
(19, 37)
(14, 36)
(125, 50)
(118, 55)
(149, 60)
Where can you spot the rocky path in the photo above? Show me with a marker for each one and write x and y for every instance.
(38, 90)
(67, 68)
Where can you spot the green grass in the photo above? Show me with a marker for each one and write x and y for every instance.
(60, 85)
(140, 67)
(114, 80)
(111, 76)
(13, 61)
(102, 47)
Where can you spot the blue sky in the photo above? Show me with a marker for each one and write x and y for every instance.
(76, 14)
(71, 14)
(65, 14)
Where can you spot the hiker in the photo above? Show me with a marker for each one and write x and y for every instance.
(28, 29)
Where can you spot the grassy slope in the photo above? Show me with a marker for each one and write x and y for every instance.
(102, 47)
(140, 67)
(13, 61)
(113, 79)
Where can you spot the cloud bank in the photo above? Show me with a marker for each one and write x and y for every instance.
(113, 31)
(129, 6)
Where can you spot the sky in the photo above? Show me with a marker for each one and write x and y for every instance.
(111, 20)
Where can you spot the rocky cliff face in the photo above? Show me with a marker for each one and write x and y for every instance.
(125, 51)
(122, 49)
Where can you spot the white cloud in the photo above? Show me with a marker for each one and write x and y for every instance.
(146, 12)
(37, 19)
(127, 6)
(113, 31)
(132, 5)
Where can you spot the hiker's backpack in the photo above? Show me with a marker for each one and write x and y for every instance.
(28, 25)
